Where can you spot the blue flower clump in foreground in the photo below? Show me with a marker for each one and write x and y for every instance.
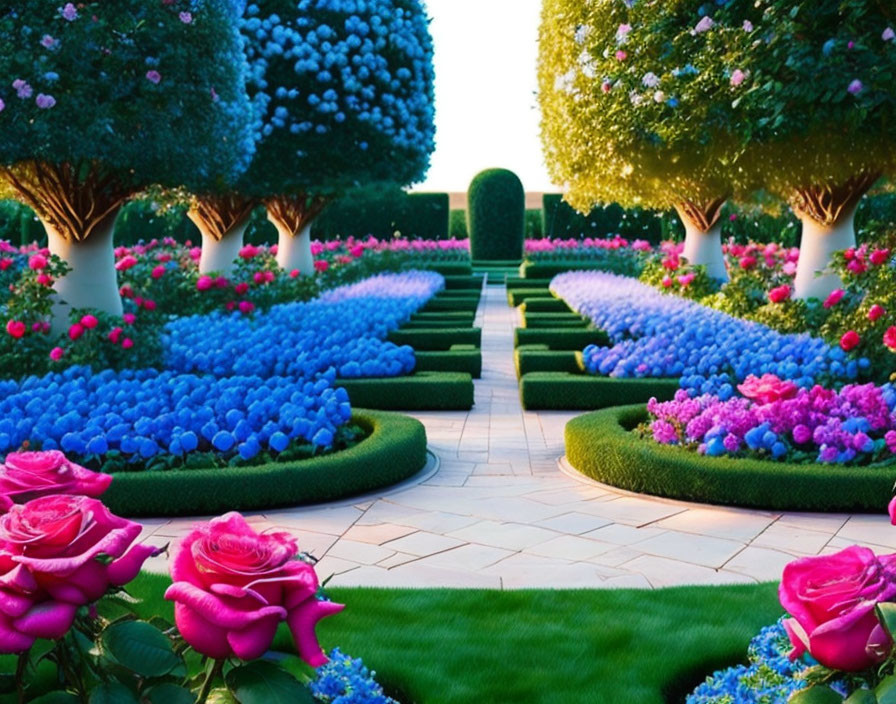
(343, 329)
(345, 680)
(656, 335)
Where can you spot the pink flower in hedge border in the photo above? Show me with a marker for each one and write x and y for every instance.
(153, 76)
(37, 262)
(75, 331)
(57, 353)
(16, 328)
(28, 475)
(891, 509)
(879, 256)
(834, 297)
(89, 321)
(69, 12)
(204, 283)
(831, 599)
(855, 87)
(779, 294)
(850, 340)
(233, 586)
(890, 338)
(45, 102)
(767, 389)
(876, 312)
(186, 17)
(737, 77)
(321, 265)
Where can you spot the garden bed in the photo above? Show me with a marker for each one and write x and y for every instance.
(394, 450)
(565, 391)
(422, 391)
(602, 446)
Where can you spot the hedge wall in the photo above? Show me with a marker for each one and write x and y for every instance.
(394, 451)
(496, 211)
(601, 446)
(560, 220)
(562, 391)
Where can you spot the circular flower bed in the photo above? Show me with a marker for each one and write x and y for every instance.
(602, 446)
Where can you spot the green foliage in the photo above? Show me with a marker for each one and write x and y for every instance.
(382, 213)
(437, 339)
(143, 220)
(603, 446)
(130, 86)
(687, 281)
(394, 450)
(496, 209)
(560, 338)
(534, 226)
(422, 391)
(551, 390)
(560, 220)
(457, 224)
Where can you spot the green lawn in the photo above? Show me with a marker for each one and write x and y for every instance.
(537, 646)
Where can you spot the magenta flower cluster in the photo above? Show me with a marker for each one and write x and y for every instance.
(856, 425)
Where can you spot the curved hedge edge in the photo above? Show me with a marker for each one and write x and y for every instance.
(601, 446)
(394, 451)
(565, 391)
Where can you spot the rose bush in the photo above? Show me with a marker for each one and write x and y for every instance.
(832, 600)
(28, 475)
(58, 553)
(233, 586)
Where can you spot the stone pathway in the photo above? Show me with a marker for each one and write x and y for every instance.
(500, 513)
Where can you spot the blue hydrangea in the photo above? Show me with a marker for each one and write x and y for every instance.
(345, 680)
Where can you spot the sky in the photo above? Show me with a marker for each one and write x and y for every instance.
(486, 111)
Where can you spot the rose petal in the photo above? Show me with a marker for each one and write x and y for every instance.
(203, 636)
(252, 642)
(215, 610)
(49, 620)
(124, 569)
(302, 621)
(11, 640)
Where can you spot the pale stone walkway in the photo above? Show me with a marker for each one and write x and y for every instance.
(500, 512)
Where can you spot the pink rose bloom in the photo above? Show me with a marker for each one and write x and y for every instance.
(686, 280)
(233, 586)
(157, 272)
(879, 256)
(153, 76)
(767, 389)
(321, 265)
(115, 335)
(889, 337)
(789, 268)
(294, 274)
(129, 318)
(747, 262)
(834, 298)
(57, 353)
(50, 550)
(249, 251)
(89, 321)
(779, 294)
(75, 331)
(127, 343)
(737, 77)
(876, 312)
(850, 340)
(126, 263)
(241, 288)
(246, 307)
(37, 262)
(205, 283)
(621, 55)
(316, 248)
(831, 599)
(15, 328)
(28, 475)
(891, 509)
(667, 281)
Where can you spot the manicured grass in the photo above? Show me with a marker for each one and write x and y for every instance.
(601, 446)
(537, 646)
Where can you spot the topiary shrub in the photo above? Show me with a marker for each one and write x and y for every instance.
(457, 224)
(496, 212)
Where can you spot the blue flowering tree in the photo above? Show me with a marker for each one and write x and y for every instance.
(345, 96)
(628, 116)
(815, 110)
(98, 101)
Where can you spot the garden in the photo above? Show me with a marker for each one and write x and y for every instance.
(275, 428)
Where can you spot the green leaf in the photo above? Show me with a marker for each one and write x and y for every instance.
(886, 614)
(262, 682)
(141, 648)
(112, 693)
(56, 698)
(861, 696)
(886, 690)
(816, 695)
(170, 694)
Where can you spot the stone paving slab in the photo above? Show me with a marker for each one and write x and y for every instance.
(501, 514)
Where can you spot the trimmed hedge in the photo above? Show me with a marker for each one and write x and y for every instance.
(453, 303)
(460, 318)
(545, 305)
(423, 391)
(460, 358)
(537, 319)
(472, 282)
(601, 446)
(548, 270)
(562, 391)
(561, 220)
(381, 213)
(560, 338)
(496, 211)
(394, 451)
(437, 339)
(515, 282)
(515, 296)
(537, 358)
(457, 224)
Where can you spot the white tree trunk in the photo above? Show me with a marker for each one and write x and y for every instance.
(705, 248)
(92, 281)
(294, 251)
(219, 255)
(818, 244)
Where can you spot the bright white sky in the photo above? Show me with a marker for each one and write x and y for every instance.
(486, 113)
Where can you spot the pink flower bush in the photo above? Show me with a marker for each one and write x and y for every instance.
(233, 586)
(28, 475)
(767, 388)
(831, 599)
(779, 294)
(57, 554)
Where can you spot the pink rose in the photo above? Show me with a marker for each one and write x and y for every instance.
(233, 586)
(891, 509)
(890, 337)
(15, 328)
(850, 340)
(58, 553)
(779, 294)
(876, 312)
(204, 283)
(832, 599)
(767, 389)
(321, 265)
(834, 298)
(27, 475)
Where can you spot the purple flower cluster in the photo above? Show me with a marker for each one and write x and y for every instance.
(656, 335)
(856, 425)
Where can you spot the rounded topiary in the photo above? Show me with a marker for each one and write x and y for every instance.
(496, 215)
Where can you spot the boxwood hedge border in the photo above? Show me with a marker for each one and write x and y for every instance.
(601, 446)
(394, 450)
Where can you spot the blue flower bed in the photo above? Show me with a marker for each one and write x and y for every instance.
(657, 335)
(345, 680)
(343, 329)
(236, 386)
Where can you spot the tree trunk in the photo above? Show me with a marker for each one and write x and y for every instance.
(827, 214)
(703, 236)
(222, 222)
(92, 281)
(292, 216)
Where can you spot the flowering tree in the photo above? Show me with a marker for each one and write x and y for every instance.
(100, 101)
(345, 97)
(816, 110)
(628, 116)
